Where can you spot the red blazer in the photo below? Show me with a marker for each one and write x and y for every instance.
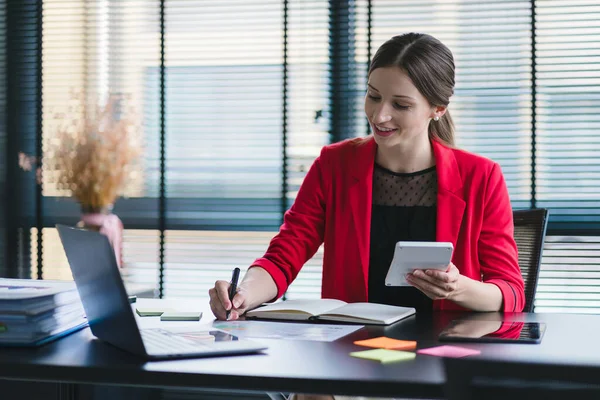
(334, 206)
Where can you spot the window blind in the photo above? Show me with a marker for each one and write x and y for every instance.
(224, 109)
(568, 96)
(569, 278)
(23, 119)
(252, 90)
(568, 171)
(3, 147)
(65, 80)
(308, 112)
(246, 116)
(224, 113)
(93, 50)
(224, 122)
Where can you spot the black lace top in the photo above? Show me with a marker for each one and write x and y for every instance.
(404, 208)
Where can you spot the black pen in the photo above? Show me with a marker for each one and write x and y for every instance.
(233, 288)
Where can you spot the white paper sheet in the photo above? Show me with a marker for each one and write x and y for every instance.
(286, 330)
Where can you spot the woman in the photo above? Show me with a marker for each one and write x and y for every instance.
(405, 182)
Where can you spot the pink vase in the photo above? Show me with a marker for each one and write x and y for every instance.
(107, 223)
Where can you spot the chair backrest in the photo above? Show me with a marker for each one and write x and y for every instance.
(530, 233)
(477, 378)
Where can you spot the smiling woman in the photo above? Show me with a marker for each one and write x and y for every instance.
(405, 183)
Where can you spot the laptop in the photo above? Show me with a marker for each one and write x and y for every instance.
(110, 316)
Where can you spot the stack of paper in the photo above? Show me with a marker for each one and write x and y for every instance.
(34, 312)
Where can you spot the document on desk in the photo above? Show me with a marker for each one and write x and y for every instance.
(286, 330)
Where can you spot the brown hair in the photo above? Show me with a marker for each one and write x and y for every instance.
(430, 66)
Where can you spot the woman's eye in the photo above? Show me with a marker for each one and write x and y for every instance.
(395, 105)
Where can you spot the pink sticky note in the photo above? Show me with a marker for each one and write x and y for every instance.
(449, 351)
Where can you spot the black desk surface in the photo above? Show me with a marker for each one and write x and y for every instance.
(301, 366)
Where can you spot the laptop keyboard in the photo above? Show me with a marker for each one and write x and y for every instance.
(160, 341)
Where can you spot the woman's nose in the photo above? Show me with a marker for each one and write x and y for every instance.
(381, 115)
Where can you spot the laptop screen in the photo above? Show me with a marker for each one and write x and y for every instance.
(94, 267)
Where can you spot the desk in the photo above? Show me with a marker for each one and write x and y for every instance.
(298, 366)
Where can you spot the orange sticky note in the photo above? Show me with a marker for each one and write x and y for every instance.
(383, 342)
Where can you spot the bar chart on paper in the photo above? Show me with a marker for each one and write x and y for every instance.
(285, 330)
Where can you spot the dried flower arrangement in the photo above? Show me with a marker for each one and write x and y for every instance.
(93, 157)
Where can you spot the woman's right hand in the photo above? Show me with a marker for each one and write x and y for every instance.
(256, 288)
(220, 303)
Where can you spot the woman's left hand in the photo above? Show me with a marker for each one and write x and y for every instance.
(437, 285)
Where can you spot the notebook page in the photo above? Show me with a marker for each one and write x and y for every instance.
(312, 307)
(373, 311)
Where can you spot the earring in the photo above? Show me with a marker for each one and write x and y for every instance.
(436, 118)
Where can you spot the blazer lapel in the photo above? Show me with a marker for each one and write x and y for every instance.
(451, 204)
(360, 196)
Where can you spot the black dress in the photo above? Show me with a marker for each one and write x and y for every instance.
(404, 208)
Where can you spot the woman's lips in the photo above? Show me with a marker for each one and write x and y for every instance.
(385, 133)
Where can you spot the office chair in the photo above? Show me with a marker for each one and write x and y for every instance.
(473, 378)
(530, 233)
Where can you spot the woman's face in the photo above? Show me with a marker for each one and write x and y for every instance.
(395, 108)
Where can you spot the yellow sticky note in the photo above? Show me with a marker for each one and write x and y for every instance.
(151, 312)
(181, 316)
(383, 342)
(384, 356)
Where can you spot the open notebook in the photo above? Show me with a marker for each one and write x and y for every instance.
(332, 310)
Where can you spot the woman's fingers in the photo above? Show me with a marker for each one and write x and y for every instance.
(216, 306)
(443, 284)
(433, 290)
(222, 291)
